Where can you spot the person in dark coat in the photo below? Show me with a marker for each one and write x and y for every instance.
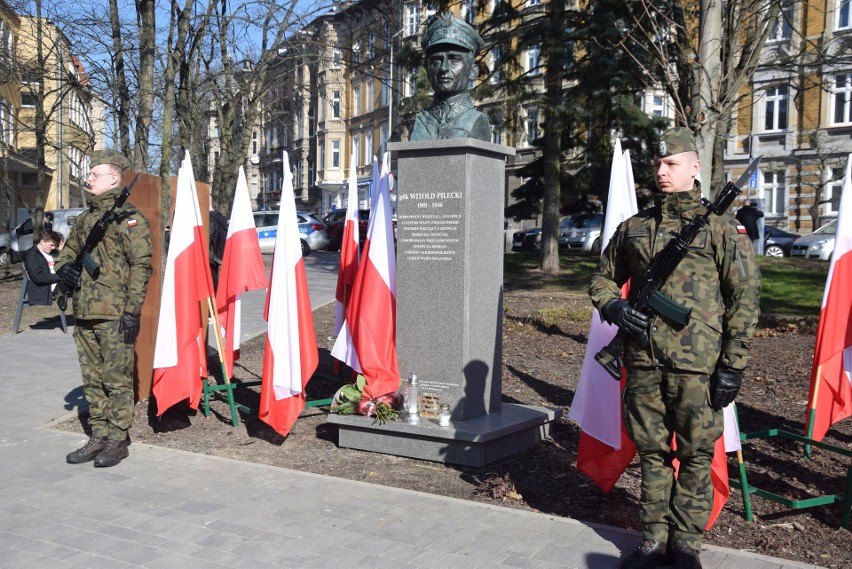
(748, 216)
(38, 262)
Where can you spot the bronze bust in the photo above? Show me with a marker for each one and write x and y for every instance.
(451, 46)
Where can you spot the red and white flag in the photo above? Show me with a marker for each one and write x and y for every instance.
(605, 449)
(242, 270)
(830, 398)
(367, 340)
(349, 252)
(180, 360)
(291, 355)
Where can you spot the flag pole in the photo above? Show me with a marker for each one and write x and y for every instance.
(809, 430)
(220, 351)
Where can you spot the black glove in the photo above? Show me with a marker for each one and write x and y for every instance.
(724, 385)
(129, 324)
(69, 276)
(629, 319)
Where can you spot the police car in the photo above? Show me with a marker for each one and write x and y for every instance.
(311, 230)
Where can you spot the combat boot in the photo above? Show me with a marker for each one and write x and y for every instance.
(115, 452)
(648, 555)
(686, 558)
(88, 451)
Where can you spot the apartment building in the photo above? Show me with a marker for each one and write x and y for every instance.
(14, 165)
(53, 81)
(796, 113)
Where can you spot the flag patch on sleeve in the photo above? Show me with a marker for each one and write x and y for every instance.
(741, 229)
(134, 223)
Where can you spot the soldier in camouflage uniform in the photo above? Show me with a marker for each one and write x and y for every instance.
(679, 382)
(107, 309)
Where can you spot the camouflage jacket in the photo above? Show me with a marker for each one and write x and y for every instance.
(123, 255)
(718, 279)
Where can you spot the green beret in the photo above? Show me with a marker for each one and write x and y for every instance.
(108, 156)
(445, 29)
(674, 141)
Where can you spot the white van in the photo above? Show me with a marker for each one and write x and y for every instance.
(22, 235)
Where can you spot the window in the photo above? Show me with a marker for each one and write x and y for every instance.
(657, 106)
(356, 99)
(386, 35)
(775, 109)
(254, 185)
(312, 122)
(284, 136)
(371, 45)
(300, 126)
(833, 189)
(356, 150)
(356, 51)
(773, 193)
(782, 28)
(254, 142)
(335, 56)
(410, 85)
(531, 3)
(468, 11)
(383, 140)
(533, 55)
(496, 54)
(6, 126)
(321, 157)
(385, 94)
(841, 99)
(531, 124)
(844, 22)
(371, 94)
(335, 154)
(368, 147)
(412, 19)
(335, 104)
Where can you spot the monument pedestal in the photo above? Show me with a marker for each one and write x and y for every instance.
(449, 303)
(474, 442)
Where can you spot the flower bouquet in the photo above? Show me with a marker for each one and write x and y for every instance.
(350, 399)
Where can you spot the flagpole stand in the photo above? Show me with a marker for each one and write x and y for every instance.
(747, 489)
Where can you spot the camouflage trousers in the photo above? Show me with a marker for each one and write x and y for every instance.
(106, 363)
(659, 403)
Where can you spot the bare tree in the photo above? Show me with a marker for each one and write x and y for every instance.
(704, 52)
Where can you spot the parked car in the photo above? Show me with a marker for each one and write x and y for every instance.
(581, 231)
(22, 235)
(527, 239)
(335, 223)
(312, 231)
(777, 242)
(817, 245)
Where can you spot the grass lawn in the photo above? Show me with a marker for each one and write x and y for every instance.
(790, 287)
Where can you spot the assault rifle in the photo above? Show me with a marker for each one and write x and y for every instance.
(84, 258)
(645, 293)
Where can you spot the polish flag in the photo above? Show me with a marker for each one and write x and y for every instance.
(242, 270)
(348, 251)
(830, 397)
(291, 355)
(605, 449)
(180, 361)
(367, 341)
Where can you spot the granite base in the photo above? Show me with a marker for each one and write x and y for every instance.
(472, 442)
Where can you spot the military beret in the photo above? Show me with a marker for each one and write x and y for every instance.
(445, 29)
(108, 156)
(674, 141)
